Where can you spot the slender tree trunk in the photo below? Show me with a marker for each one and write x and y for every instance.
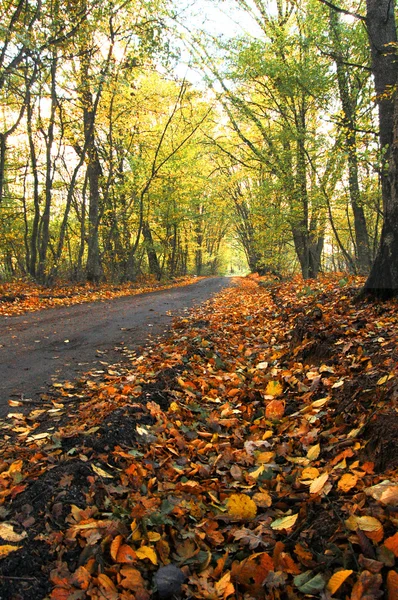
(33, 245)
(153, 261)
(93, 266)
(363, 257)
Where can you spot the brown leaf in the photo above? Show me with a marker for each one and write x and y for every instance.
(367, 587)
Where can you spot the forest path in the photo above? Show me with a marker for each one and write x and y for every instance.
(60, 344)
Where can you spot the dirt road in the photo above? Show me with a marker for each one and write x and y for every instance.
(60, 344)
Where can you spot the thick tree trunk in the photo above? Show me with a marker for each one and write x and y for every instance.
(383, 279)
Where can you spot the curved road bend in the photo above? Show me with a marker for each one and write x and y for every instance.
(60, 344)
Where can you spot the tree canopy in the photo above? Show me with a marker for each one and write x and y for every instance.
(275, 144)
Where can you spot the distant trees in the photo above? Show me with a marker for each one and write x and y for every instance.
(298, 95)
(103, 172)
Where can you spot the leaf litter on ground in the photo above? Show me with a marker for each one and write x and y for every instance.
(20, 297)
(251, 455)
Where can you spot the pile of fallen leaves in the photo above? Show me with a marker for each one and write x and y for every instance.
(19, 297)
(251, 455)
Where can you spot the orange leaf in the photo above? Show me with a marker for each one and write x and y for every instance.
(392, 585)
(81, 578)
(304, 555)
(132, 579)
(375, 536)
(126, 554)
(115, 545)
(392, 544)
(108, 586)
(337, 580)
(347, 482)
(275, 409)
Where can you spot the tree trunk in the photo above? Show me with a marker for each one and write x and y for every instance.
(154, 267)
(93, 266)
(383, 279)
(363, 258)
(45, 219)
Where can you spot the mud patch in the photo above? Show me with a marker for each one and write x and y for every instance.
(24, 574)
(118, 429)
(381, 435)
(51, 495)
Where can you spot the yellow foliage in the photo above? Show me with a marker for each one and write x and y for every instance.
(240, 506)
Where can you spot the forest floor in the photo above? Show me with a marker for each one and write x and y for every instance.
(20, 297)
(252, 454)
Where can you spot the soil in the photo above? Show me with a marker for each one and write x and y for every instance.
(60, 344)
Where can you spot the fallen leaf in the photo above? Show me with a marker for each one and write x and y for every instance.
(347, 482)
(147, 552)
(318, 484)
(7, 549)
(7, 533)
(337, 580)
(101, 472)
(274, 388)
(392, 544)
(284, 522)
(314, 452)
(363, 523)
(275, 409)
(242, 507)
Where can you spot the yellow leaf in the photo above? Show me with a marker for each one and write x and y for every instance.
(274, 388)
(173, 407)
(347, 482)
(320, 402)
(384, 379)
(318, 483)
(284, 522)
(337, 580)
(256, 474)
(101, 472)
(314, 452)
(5, 550)
(7, 533)
(309, 473)
(265, 457)
(240, 506)
(363, 523)
(153, 536)
(147, 552)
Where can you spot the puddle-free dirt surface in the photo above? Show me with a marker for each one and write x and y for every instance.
(55, 345)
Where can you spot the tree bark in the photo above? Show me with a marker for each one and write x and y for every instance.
(383, 279)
